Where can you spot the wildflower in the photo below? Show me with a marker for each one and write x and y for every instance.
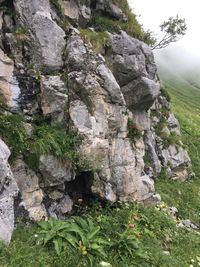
(105, 264)
(35, 235)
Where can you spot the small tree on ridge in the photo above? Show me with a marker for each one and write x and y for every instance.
(173, 30)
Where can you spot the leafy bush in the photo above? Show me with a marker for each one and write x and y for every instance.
(80, 233)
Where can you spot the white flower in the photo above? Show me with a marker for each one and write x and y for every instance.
(35, 235)
(105, 264)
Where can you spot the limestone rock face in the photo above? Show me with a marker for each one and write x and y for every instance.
(112, 100)
(54, 171)
(8, 190)
(46, 38)
(110, 9)
(163, 142)
(98, 111)
(135, 70)
(28, 184)
(75, 11)
(54, 97)
(6, 71)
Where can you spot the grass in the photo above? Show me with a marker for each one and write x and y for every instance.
(44, 140)
(103, 23)
(134, 132)
(185, 104)
(151, 230)
(99, 40)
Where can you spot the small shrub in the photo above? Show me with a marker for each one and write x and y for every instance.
(172, 139)
(99, 40)
(21, 34)
(133, 130)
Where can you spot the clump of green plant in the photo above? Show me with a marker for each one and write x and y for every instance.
(99, 40)
(131, 26)
(133, 130)
(172, 139)
(147, 159)
(161, 124)
(57, 6)
(13, 134)
(80, 233)
(165, 93)
(21, 34)
(44, 140)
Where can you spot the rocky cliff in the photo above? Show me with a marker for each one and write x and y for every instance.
(81, 110)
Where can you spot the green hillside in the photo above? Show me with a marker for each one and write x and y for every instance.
(185, 101)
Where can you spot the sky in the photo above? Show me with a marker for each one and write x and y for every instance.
(152, 13)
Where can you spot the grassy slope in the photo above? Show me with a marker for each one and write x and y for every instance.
(185, 105)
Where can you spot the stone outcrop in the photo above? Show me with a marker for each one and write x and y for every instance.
(54, 171)
(101, 118)
(54, 97)
(129, 59)
(8, 190)
(46, 38)
(79, 14)
(28, 184)
(112, 101)
(163, 142)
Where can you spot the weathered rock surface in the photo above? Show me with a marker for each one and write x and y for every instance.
(114, 103)
(98, 111)
(60, 208)
(32, 195)
(55, 172)
(6, 71)
(137, 79)
(78, 13)
(8, 190)
(110, 9)
(163, 144)
(46, 38)
(54, 97)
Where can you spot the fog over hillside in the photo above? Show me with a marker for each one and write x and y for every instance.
(177, 59)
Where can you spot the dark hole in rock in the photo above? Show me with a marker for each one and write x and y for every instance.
(80, 188)
(19, 210)
(93, 4)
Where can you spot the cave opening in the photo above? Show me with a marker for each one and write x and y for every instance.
(80, 188)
